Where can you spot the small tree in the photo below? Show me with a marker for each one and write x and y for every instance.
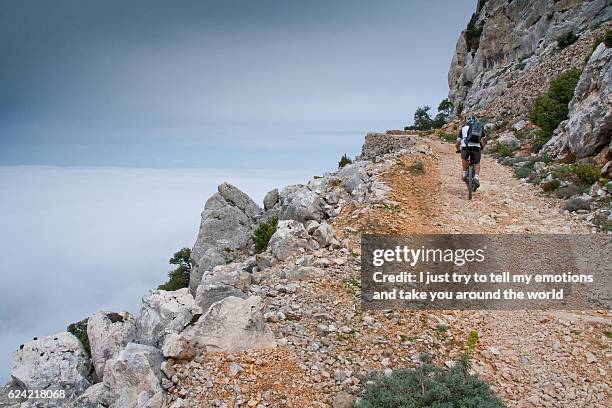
(422, 120)
(263, 233)
(567, 39)
(608, 38)
(344, 160)
(445, 107)
(550, 109)
(179, 278)
(79, 330)
(472, 34)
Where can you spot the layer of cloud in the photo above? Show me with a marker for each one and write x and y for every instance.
(77, 240)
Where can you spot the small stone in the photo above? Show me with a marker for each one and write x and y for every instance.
(322, 329)
(340, 375)
(343, 400)
(590, 357)
(234, 369)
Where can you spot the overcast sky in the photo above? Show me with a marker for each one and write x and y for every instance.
(119, 118)
(187, 83)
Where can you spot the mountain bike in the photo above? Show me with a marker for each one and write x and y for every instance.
(471, 172)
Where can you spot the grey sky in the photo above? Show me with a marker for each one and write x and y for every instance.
(93, 81)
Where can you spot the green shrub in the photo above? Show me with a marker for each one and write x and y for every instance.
(448, 137)
(568, 191)
(472, 34)
(417, 167)
(344, 160)
(608, 38)
(501, 151)
(522, 172)
(431, 386)
(550, 186)
(550, 109)
(567, 39)
(587, 173)
(79, 330)
(179, 278)
(263, 233)
(575, 204)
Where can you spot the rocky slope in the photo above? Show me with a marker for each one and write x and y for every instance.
(512, 52)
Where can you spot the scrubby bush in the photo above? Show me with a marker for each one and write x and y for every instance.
(431, 386)
(568, 191)
(608, 38)
(550, 109)
(179, 278)
(567, 39)
(550, 186)
(448, 137)
(587, 173)
(344, 160)
(79, 330)
(263, 233)
(501, 151)
(472, 34)
(523, 172)
(417, 167)
(576, 203)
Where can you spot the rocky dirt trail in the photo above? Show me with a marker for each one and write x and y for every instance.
(533, 358)
(328, 346)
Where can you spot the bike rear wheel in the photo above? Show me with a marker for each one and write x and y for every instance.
(470, 182)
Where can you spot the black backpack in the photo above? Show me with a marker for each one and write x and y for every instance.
(475, 133)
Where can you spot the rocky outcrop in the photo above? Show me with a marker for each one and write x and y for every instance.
(228, 221)
(163, 312)
(133, 379)
(516, 54)
(379, 144)
(52, 362)
(301, 204)
(232, 324)
(108, 334)
(221, 282)
(289, 239)
(589, 127)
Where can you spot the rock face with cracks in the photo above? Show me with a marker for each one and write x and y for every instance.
(163, 312)
(228, 221)
(108, 334)
(232, 324)
(52, 362)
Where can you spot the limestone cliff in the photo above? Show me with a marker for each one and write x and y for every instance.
(509, 52)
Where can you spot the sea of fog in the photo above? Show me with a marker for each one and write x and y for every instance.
(77, 239)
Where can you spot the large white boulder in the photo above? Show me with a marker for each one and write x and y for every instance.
(163, 312)
(221, 282)
(589, 124)
(108, 334)
(301, 204)
(132, 379)
(52, 362)
(228, 221)
(290, 238)
(232, 324)
(509, 140)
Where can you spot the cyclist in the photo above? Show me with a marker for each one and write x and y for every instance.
(471, 148)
